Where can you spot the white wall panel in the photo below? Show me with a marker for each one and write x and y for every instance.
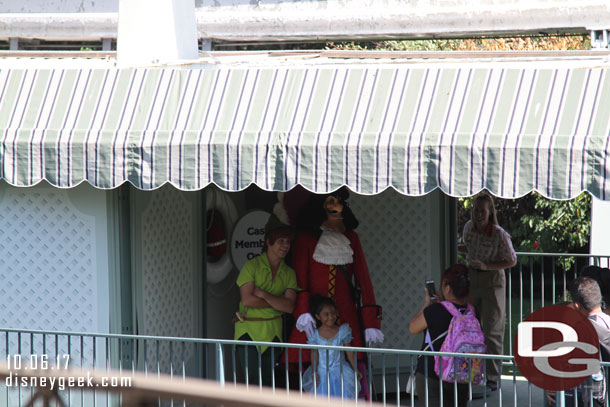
(600, 224)
(399, 235)
(55, 268)
(54, 258)
(168, 298)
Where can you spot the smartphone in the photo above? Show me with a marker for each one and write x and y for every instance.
(431, 289)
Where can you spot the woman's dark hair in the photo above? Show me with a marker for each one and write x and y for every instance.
(316, 303)
(457, 278)
(313, 214)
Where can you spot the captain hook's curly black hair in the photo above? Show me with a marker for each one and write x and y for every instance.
(313, 214)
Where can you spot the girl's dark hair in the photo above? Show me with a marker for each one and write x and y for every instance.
(457, 278)
(317, 302)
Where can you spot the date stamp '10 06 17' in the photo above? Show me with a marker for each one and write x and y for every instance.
(38, 362)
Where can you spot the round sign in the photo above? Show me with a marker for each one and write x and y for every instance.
(248, 237)
(557, 348)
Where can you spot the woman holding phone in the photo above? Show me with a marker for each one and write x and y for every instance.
(434, 319)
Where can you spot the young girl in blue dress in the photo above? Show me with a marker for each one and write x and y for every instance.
(330, 365)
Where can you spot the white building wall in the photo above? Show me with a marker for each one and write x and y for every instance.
(399, 235)
(166, 256)
(54, 258)
(156, 32)
(56, 269)
(600, 224)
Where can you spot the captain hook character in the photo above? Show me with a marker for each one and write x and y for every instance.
(329, 261)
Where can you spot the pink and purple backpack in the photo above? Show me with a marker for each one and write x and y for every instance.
(463, 336)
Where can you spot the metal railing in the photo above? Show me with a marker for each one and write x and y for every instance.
(389, 387)
(223, 366)
(541, 279)
(217, 360)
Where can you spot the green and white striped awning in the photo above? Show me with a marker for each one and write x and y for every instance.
(413, 128)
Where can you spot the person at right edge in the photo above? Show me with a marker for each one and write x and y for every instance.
(587, 299)
(489, 251)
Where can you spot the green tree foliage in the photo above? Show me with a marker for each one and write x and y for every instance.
(517, 43)
(555, 226)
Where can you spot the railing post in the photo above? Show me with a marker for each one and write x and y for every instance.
(220, 365)
(560, 400)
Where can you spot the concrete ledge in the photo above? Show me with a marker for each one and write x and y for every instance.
(59, 26)
(325, 20)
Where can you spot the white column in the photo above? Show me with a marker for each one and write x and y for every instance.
(600, 225)
(156, 32)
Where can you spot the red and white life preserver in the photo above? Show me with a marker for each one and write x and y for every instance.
(218, 233)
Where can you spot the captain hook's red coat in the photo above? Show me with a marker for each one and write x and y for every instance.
(313, 278)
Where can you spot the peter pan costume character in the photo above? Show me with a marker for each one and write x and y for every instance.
(267, 289)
